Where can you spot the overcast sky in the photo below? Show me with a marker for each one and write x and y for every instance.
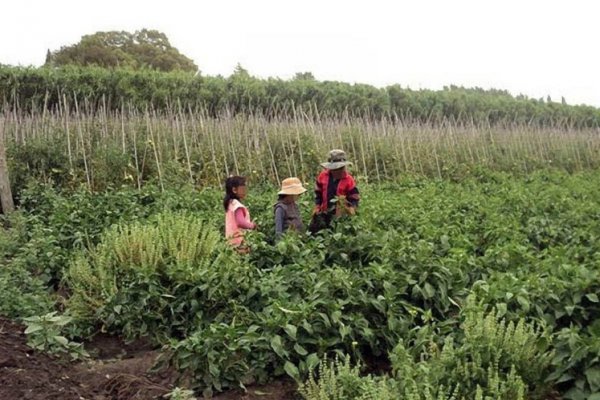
(533, 47)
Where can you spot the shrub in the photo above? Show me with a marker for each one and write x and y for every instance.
(139, 279)
(499, 359)
(489, 359)
(338, 380)
(23, 283)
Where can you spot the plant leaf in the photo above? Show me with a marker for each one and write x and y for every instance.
(300, 350)
(312, 361)
(33, 328)
(292, 370)
(277, 346)
(592, 297)
(593, 378)
(291, 331)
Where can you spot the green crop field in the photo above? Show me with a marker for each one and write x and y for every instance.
(482, 288)
(471, 270)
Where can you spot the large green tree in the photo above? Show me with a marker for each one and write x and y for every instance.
(142, 49)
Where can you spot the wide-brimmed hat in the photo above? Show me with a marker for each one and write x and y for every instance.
(291, 186)
(336, 160)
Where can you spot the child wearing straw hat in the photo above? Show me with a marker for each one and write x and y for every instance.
(287, 215)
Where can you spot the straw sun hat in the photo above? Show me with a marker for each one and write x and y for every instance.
(336, 159)
(291, 186)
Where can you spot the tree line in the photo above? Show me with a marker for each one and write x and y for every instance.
(35, 89)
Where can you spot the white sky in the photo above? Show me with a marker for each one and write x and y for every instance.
(533, 47)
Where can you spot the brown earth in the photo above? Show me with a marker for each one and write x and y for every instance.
(118, 371)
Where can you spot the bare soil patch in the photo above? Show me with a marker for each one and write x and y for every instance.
(118, 371)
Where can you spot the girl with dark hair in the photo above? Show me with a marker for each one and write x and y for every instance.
(237, 217)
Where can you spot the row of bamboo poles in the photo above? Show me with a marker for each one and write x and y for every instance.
(203, 150)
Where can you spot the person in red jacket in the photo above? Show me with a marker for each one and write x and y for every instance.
(336, 193)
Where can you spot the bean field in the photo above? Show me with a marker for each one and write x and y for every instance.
(481, 283)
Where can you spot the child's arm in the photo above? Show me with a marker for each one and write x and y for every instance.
(279, 216)
(240, 220)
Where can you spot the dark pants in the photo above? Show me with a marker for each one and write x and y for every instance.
(319, 222)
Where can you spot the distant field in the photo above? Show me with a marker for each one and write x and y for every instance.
(98, 148)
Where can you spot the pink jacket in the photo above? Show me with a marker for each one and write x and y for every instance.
(234, 231)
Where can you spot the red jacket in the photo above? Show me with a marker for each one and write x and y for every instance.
(346, 187)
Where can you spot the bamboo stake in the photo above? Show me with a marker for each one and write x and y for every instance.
(80, 132)
(123, 147)
(274, 166)
(223, 151)
(297, 129)
(185, 146)
(138, 177)
(156, 156)
(6, 198)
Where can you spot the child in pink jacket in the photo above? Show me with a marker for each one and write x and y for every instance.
(237, 217)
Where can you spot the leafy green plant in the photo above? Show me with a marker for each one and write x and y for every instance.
(218, 357)
(22, 294)
(129, 280)
(498, 359)
(44, 332)
(491, 360)
(23, 289)
(180, 394)
(339, 380)
(577, 362)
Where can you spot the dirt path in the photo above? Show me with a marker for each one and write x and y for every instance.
(25, 375)
(118, 372)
